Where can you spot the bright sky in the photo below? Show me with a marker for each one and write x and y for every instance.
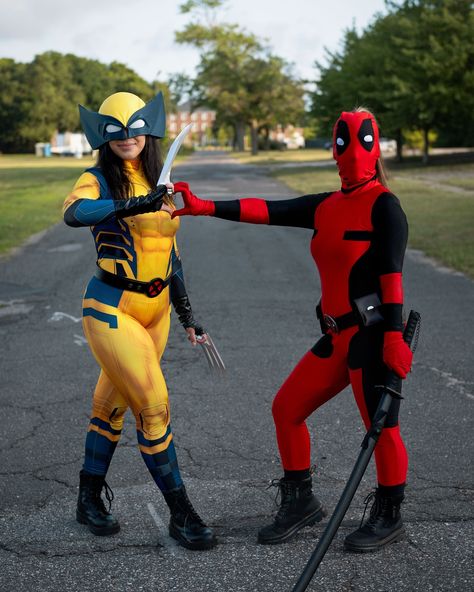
(140, 33)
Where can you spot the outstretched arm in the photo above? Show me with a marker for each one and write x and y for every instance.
(84, 208)
(297, 212)
(391, 234)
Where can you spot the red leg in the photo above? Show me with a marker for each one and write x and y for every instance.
(319, 376)
(391, 457)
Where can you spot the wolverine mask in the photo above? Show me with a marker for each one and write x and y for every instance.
(121, 116)
(356, 147)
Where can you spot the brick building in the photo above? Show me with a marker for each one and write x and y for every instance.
(202, 119)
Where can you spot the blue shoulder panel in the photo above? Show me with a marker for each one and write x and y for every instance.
(104, 188)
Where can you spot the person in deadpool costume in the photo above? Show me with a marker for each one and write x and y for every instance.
(358, 244)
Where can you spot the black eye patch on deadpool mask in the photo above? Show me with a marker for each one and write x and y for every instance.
(366, 135)
(343, 137)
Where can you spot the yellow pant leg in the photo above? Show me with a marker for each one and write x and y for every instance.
(159, 330)
(129, 354)
(108, 403)
(105, 426)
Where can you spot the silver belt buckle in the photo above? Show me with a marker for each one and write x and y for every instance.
(330, 323)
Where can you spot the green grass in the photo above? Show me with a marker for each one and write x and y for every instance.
(32, 192)
(268, 157)
(461, 176)
(441, 219)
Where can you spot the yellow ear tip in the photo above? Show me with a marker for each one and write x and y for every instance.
(121, 105)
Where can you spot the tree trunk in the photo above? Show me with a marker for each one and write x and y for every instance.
(266, 137)
(234, 136)
(426, 146)
(254, 136)
(240, 136)
(399, 140)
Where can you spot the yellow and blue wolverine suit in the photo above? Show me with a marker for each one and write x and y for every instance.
(127, 331)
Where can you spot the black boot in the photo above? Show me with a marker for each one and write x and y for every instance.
(185, 524)
(298, 508)
(383, 527)
(90, 507)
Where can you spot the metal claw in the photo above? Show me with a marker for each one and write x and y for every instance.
(209, 358)
(217, 356)
(213, 357)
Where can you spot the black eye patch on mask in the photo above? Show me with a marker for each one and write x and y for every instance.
(343, 137)
(366, 135)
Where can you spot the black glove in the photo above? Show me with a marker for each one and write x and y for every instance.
(142, 204)
(184, 311)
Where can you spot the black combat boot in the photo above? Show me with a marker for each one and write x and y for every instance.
(90, 507)
(298, 508)
(185, 524)
(383, 527)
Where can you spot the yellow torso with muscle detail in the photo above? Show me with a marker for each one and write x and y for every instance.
(146, 239)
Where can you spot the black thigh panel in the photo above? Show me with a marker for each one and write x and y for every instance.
(324, 347)
(365, 353)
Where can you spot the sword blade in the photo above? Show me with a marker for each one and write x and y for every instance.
(172, 152)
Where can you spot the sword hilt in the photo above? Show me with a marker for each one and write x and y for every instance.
(412, 329)
(410, 336)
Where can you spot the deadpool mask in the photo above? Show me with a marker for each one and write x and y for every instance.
(356, 147)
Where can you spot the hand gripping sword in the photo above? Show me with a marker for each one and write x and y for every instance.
(390, 390)
(213, 357)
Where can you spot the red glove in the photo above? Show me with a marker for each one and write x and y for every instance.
(193, 206)
(396, 353)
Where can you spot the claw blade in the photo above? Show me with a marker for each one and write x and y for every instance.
(216, 364)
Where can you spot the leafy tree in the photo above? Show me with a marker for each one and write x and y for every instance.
(42, 96)
(12, 104)
(435, 62)
(413, 66)
(239, 77)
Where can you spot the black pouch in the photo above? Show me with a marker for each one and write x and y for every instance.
(369, 308)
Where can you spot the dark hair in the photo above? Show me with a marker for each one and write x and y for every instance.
(113, 170)
(380, 170)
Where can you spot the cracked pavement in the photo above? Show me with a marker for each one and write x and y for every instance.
(254, 289)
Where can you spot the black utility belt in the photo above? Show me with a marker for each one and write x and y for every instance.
(152, 289)
(367, 313)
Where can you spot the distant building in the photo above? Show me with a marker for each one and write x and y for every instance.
(70, 144)
(289, 135)
(202, 119)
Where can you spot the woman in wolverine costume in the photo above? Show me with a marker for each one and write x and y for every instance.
(126, 306)
(358, 244)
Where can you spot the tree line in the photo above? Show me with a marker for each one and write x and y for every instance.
(413, 66)
(40, 97)
(248, 86)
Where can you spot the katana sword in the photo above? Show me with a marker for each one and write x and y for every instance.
(172, 152)
(390, 390)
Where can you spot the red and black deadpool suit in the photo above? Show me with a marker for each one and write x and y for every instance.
(358, 244)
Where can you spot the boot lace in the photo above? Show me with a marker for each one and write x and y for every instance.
(282, 499)
(379, 511)
(373, 511)
(191, 512)
(109, 495)
(95, 495)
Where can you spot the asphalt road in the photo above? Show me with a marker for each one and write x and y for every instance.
(255, 289)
